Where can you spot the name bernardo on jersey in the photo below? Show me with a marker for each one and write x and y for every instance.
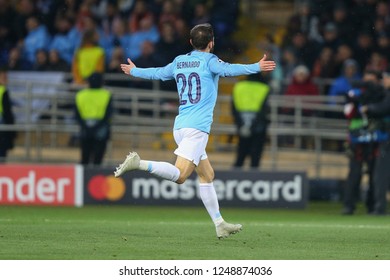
(187, 64)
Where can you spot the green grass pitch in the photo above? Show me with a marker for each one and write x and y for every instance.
(182, 233)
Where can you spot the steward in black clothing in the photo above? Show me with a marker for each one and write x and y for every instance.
(93, 113)
(250, 109)
(7, 138)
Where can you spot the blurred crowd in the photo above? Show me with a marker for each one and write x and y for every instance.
(44, 35)
(335, 40)
(332, 40)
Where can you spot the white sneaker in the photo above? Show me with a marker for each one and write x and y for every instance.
(131, 162)
(225, 229)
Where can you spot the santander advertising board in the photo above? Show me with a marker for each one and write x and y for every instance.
(37, 185)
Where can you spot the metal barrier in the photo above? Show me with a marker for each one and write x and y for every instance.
(145, 117)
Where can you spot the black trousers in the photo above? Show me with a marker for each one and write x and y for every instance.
(382, 177)
(251, 146)
(361, 154)
(92, 150)
(3, 154)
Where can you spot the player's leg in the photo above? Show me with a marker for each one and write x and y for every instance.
(178, 173)
(161, 169)
(210, 200)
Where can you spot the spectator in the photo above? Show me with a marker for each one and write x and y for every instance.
(45, 8)
(363, 48)
(93, 113)
(331, 36)
(117, 58)
(363, 14)
(301, 85)
(201, 14)
(382, 11)
(68, 8)
(66, 38)
(108, 23)
(15, 61)
(168, 46)
(166, 49)
(109, 16)
(125, 7)
(100, 9)
(147, 32)
(305, 51)
(37, 38)
(25, 9)
(182, 32)
(41, 61)
(139, 13)
(324, 66)
(343, 24)
(56, 63)
(343, 53)
(342, 84)
(7, 30)
(88, 59)
(288, 64)
(83, 15)
(304, 21)
(7, 138)
(147, 59)
(377, 62)
(250, 111)
(223, 15)
(169, 13)
(120, 36)
(383, 46)
(379, 28)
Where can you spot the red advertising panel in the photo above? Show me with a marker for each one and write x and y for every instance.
(37, 185)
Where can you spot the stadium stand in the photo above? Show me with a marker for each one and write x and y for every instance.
(274, 27)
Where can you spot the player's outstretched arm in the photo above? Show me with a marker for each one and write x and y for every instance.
(266, 65)
(126, 68)
(151, 73)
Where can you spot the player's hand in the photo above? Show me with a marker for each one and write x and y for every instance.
(266, 65)
(126, 68)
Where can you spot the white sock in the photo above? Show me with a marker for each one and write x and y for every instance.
(210, 201)
(162, 169)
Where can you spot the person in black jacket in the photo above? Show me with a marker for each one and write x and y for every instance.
(362, 145)
(7, 138)
(382, 165)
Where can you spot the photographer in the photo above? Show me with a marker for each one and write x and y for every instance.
(364, 137)
(381, 111)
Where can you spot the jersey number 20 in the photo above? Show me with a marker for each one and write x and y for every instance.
(188, 83)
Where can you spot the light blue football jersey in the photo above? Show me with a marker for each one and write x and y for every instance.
(197, 74)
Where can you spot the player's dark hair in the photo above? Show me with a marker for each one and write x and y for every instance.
(201, 35)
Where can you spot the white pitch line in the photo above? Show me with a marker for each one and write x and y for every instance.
(316, 225)
(290, 225)
(253, 224)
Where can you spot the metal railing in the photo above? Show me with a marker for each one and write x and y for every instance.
(145, 117)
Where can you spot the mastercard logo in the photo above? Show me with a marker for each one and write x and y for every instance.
(106, 187)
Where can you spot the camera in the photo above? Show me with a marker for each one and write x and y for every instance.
(364, 93)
